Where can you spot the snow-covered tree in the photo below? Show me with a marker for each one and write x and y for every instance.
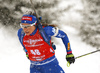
(12, 10)
(90, 31)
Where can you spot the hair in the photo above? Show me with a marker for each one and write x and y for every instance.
(43, 24)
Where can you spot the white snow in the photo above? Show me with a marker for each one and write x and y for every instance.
(86, 64)
(13, 59)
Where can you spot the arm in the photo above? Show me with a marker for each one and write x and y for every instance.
(20, 36)
(65, 40)
(51, 31)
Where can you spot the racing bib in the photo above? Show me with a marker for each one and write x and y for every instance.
(38, 49)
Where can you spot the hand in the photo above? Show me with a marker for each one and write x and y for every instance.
(53, 46)
(70, 58)
(27, 55)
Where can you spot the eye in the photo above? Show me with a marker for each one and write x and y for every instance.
(26, 26)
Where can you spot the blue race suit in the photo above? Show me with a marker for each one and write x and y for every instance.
(48, 65)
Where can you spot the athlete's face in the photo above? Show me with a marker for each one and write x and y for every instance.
(28, 29)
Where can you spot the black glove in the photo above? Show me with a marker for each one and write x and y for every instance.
(70, 58)
(53, 46)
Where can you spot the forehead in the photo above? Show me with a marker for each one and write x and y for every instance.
(25, 24)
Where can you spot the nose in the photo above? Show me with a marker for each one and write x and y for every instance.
(25, 29)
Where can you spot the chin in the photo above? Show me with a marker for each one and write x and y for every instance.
(27, 33)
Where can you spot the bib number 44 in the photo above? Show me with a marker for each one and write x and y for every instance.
(35, 52)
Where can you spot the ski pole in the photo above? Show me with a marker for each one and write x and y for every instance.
(68, 64)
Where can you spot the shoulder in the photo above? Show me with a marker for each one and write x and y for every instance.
(50, 30)
(19, 32)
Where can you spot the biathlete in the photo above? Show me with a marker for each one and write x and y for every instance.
(38, 51)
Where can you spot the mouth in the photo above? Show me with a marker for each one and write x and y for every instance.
(26, 32)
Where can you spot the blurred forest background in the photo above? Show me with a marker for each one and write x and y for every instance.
(81, 14)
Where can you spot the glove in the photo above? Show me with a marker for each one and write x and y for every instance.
(53, 46)
(70, 58)
(27, 55)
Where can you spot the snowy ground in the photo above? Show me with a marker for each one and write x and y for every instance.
(13, 60)
(86, 64)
